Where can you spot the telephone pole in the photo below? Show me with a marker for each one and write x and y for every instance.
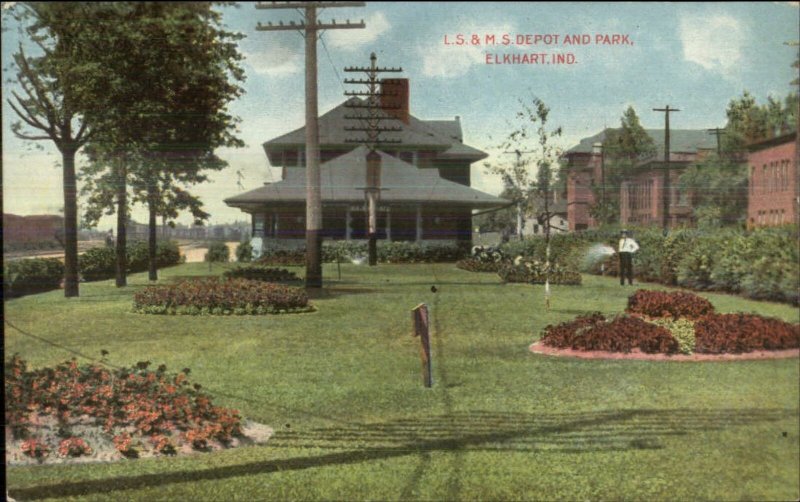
(376, 112)
(666, 111)
(309, 28)
(717, 132)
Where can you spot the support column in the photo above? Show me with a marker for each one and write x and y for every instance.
(348, 218)
(389, 224)
(419, 223)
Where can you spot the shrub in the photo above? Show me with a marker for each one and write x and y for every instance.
(218, 252)
(285, 257)
(167, 254)
(675, 304)
(535, 272)
(97, 264)
(260, 273)
(410, 252)
(34, 275)
(736, 333)
(244, 252)
(682, 330)
(621, 334)
(220, 297)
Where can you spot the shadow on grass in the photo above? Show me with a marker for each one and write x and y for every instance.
(572, 433)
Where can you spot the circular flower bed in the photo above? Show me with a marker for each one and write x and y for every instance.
(88, 412)
(659, 322)
(221, 297)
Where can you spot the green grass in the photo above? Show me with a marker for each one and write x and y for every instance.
(343, 389)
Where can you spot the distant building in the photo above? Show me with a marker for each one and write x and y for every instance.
(558, 218)
(35, 228)
(774, 182)
(424, 180)
(641, 195)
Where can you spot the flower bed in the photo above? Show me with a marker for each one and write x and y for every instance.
(259, 273)
(737, 333)
(674, 304)
(621, 334)
(138, 410)
(688, 325)
(535, 272)
(221, 297)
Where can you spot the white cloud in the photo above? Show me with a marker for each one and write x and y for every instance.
(448, 61)
(352, 39)
(715, 42)
(275, 61)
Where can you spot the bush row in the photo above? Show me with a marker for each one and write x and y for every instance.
(215, 296)
(388, 252)
(101, 263)
(477, 265)
(260, 273)
(29, 276)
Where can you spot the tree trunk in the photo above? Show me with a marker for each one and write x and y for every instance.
(151, 227)
(70, 223)
(519, 221)
(122, 222)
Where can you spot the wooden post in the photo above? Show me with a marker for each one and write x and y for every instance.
(419, 316)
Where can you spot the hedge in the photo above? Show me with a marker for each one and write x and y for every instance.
(33, 275)
(101, 263)
(261, 273)
(388, 252)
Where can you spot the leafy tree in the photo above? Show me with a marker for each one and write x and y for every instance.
(503, 220)
(623, 149)
(49, 100)
(718, 190)
(166, 108)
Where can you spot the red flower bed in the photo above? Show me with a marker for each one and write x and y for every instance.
(214, 296)
(737, 333)
(675, 304)
(621, 334)
(130, 404)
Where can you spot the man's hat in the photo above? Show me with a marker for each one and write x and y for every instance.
(624, 231)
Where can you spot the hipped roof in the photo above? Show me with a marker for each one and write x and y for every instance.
(343, 179)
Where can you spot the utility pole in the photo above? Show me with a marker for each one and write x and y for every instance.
(666, 111)
(309, 28)
(717, 132)
(371, 125)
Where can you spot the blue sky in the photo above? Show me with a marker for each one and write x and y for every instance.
(695, 57)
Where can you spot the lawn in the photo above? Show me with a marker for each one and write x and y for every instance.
(343, 389)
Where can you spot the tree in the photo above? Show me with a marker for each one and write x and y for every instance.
(166, 109)
(623, 149)
(502, 220)
(531, 142)
(718, 189)
(50, 101)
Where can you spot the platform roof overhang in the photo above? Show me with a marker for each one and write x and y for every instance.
(343, 180)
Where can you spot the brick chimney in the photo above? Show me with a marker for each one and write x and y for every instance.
(395, 100)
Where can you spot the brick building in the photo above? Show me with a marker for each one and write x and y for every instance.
(641, 194)
(774, 182)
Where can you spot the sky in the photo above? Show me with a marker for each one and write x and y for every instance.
(692, 56)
